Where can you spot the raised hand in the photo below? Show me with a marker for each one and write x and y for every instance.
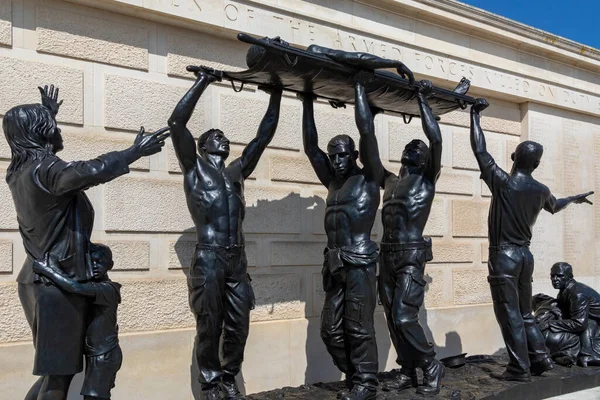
(480, 105)
(406, 73)
(426, 88)
(201, 70)
(582, 198)
(50, 98)
(147, 145)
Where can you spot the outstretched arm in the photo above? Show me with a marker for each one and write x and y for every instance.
(318, 159)
(554, 205)
(254, 150)
(183, 141)
(491, 173)
(477, 138)
(50, 269)
(368, 150)
(364, 61)
(432, 131)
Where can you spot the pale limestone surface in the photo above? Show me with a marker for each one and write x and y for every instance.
(20, 79)
(6, 22)
(131, 103)
(119, 42)
(120, 68)
(129, 255)
(6, 256)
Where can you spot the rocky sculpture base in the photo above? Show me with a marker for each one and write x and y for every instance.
(469, 382)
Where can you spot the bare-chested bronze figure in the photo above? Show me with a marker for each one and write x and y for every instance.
(219, 287)
(407, 203)
(350, 257)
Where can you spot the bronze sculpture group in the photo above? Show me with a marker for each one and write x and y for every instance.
(64, 280)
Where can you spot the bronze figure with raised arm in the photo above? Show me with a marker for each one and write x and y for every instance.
(56, 217)
(220, 292)
(350, 257)
(517, 199)
(407, 202)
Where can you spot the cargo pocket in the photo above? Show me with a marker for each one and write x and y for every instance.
(327, 279)
(326, 320)
(353, 310)
(415, 293)
(251, 296)
(499, 288)
(196, 289)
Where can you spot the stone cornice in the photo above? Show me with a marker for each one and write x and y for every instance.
(488, 18)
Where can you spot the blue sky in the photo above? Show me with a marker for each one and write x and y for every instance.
(578, 20)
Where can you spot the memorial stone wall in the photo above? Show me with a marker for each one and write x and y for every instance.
(120, 64)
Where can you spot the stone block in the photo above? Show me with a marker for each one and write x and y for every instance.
(181, 253)
(469, 218)
(185, 47)
(273, 210)
(400, 134)
(131, 103)
(457, 117)
(6, 23)
(437, 224)
(471, 286)
(15, 370)
(502, 117)
(278, 297)
(6, 256)
(318, 294)
(88, 146)
(266, 360)
(292, 169)
(462, 155)
(435, 291)
(121, 42)
(454, 182)
(511, 146)
(8, 215)
(297, 253)
(13, 324)
(138, 204)
(241, 117)
(154, 304)
(130, 255)
(21, 88)
(485, 252)
(485, 190)
(331, 122)
(162, 359)
(452, 252)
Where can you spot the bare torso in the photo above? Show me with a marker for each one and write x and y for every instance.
(350, 211)
(406, 206)
(215, 199)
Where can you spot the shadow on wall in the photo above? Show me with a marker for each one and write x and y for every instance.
(452, 344)
(289, 215)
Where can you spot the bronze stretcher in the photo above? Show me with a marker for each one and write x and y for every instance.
(299, 70)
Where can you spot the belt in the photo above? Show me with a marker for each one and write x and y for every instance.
(218, 247)
(507, 246)
(425, 244)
